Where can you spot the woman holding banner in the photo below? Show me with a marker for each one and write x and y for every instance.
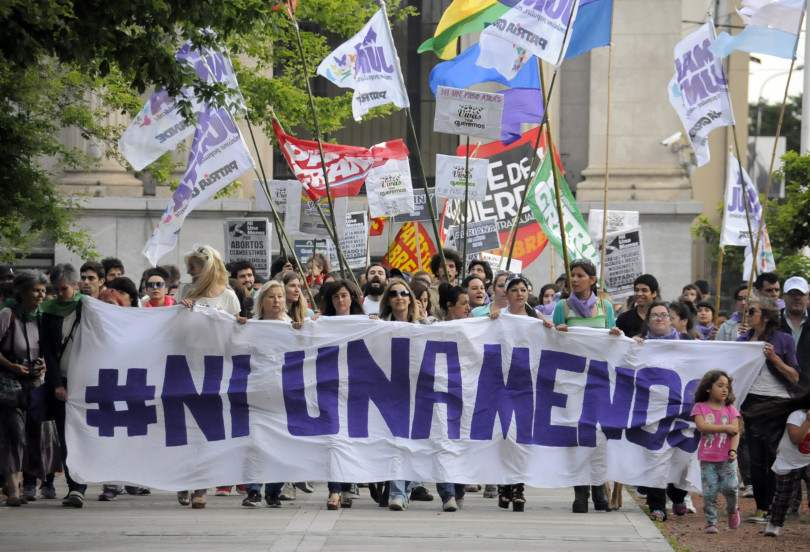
(453, 302)
(499, 299)
(296, 304)
(582, 308)
(476, 291)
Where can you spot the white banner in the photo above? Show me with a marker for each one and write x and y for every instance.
(536, 27)
(450, 177)
(211, 402)
(389, 189)
(278, 191)
(468, 112)
(699, 90)
(368, 64)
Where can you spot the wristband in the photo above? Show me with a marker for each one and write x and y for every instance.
(732, 450)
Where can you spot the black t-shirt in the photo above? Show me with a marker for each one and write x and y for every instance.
(630, 323)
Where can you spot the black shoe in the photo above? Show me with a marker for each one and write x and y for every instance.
(581, 497)
(252, 500)
(421, 494)
(273, 501)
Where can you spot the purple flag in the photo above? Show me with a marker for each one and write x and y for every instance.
(520, 105)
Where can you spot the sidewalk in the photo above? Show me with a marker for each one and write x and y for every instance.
(158, 523)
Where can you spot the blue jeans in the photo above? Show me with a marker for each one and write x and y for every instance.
(450, 490)
(269, 488)
(399, 490)
(336, 488)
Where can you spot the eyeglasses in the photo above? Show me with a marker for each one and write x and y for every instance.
(752, 311)
(741, 298)
(155, 284)
(660, 316)
(399, 292)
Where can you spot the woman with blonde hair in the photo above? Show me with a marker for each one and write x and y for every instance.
(296, 304)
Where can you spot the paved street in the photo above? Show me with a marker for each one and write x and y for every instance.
(158, 523)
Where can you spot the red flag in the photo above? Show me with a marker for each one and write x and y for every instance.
(403, 249)
(346, 166)
(377, 226)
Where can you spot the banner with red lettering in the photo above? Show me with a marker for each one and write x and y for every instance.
(509, 168)
(403, 250)
(346, 166)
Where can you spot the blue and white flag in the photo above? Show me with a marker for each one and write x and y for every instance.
(772, 28)
(461, 72)
(218, 157)
(592, 27)
(532, 27)
(699, 90)
(160, 127)
(368, 64)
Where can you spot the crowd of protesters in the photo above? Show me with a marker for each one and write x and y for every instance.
(751, 452)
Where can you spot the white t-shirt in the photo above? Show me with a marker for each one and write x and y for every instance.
(372, 306)
(789, 456)
(227, 302)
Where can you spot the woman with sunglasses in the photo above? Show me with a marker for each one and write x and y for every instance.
(156, 288)
(776, 380)
(582, 308)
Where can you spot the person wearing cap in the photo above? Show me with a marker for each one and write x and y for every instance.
(6, 274)
(796, 322)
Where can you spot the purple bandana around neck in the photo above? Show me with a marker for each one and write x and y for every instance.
(673, 334)
(704, 331)
(583, 308)
(736, 317)
(546, 310)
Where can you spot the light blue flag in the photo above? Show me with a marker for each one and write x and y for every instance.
(461, 72)
(591, 28)
(759, 40)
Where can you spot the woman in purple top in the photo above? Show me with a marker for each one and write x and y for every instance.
(776, 380)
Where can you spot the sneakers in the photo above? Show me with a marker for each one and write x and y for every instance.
(734, 519)
(658, 515)
(287, 492)
(30, 492)
(304, 486)
(690, 508)
(421, 494)
(223, 491)
(748, 492)
(679, 508)
(47, 490)
(772, 530)
(472, 488)
(758, 517)
(450, 505)
(398, 505)
(712, 529)
(241, 489)
(273, 501)
(108, 495)
(74, 499)
(252, 500)
(490, 491)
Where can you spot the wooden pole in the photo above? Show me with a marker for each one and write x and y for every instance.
(466, 210)
(607, 160)
(719, 280)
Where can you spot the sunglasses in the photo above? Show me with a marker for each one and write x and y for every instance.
(399, 292)
(752, 311)
(155, 284)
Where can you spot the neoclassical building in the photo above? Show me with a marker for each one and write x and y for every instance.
(659, 181)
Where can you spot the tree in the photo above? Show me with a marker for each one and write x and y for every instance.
(56, 54)
(768, 116)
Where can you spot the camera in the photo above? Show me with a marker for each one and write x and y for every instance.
(38, 367)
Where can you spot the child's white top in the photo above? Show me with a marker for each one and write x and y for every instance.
(789, 456)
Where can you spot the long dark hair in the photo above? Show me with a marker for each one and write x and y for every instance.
(704, 388)
(767, 420)
(330, 289)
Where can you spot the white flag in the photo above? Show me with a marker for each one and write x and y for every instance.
(780, 14)
(218, 157)
(389, 189)
(368, 64)
(765, 260)
(159, 127)
(735, 229)
(450, 177)
(699, 90)
(532, 27)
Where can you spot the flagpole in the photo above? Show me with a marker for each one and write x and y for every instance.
(466, 209)
(719, 280)
(418, 152)
(418, 248)
(607, 159)
(341, 259)
(755, 252)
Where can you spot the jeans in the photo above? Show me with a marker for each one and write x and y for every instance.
(337, 488)
(761, 456)
(450, 490)
(399, 490)
(270, 489)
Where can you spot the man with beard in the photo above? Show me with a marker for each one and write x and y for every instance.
(376, 278)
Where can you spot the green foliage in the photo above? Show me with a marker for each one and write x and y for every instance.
(67, 64)
(768, 114)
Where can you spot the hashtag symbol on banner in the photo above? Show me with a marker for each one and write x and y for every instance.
(136, 416)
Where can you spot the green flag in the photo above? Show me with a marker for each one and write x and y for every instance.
(543, 203)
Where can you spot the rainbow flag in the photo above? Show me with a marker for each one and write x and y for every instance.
(462, 17)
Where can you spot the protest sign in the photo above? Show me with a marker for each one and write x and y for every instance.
(306, 249)
(212, 402)
(453, 173)
(618, 221)
(420, 207)
(624, 261)
(302, 213)
(389, 189)
(409, 249)
(496, 264)
(481, 236)
(278, 191)
(468, 112)
(355, 244)
(249, 239)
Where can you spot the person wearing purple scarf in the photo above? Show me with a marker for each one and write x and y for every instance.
(705, 321)
(582, 308)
